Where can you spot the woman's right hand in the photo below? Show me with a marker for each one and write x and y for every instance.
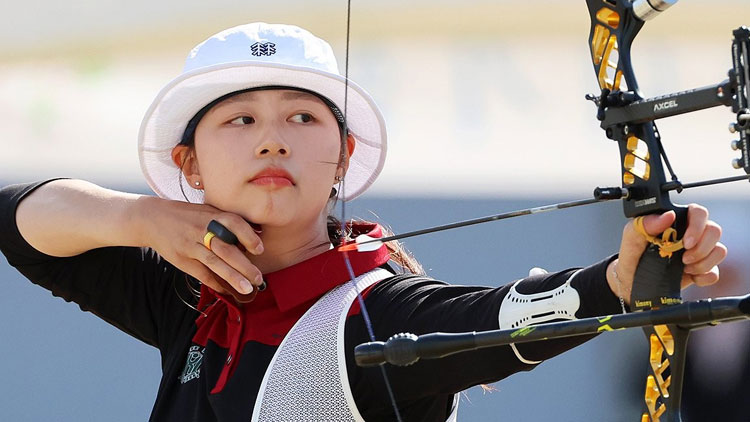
(176, 230)
(65, 218)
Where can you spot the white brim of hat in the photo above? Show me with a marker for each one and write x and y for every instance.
(167, 117)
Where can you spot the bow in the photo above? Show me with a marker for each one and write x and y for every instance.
(627, 117)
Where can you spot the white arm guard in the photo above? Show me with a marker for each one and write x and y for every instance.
(519, 310)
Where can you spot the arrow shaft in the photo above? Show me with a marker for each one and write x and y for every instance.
(496, 217)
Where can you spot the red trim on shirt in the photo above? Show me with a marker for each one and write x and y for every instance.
(290, 293)
(356, 309)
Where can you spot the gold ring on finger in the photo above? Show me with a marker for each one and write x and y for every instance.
(207, 239)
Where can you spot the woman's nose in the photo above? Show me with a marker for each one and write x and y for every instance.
(272, 146)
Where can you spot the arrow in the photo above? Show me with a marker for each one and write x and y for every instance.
(364, 243)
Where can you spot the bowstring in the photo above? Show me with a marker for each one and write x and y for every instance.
(344, 231)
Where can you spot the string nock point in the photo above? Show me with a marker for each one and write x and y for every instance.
(363, 243)
(348, 247)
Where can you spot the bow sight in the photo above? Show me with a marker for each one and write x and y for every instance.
(628, 118)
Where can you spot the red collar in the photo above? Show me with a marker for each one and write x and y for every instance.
(311, 279)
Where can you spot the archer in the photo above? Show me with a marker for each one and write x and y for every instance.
(232, 272)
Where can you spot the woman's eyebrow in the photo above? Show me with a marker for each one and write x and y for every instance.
(286, 95)
(246, 96)
(298, 95)
(225, 103)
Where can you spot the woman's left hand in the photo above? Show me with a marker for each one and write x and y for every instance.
(703, 251)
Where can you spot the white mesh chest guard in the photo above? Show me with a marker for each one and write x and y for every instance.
(307, 379)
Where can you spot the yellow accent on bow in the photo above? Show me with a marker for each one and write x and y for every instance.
(668, 244)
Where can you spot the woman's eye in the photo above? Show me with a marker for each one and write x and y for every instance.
(302, 118)
(244, 120)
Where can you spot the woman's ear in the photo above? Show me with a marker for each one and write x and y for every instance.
(184, 158)
(350, 144)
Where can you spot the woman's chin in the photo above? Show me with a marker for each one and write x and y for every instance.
(274, 210)
(266, 219)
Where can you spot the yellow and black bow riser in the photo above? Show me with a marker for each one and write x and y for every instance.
(628, 118)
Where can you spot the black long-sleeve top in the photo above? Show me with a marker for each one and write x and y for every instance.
(214, 358)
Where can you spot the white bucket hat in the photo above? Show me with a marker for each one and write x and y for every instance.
(252, 56)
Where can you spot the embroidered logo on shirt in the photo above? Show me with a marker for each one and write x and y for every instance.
(193, 365)
(263, 49)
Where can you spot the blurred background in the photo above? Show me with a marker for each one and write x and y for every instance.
(485, 106)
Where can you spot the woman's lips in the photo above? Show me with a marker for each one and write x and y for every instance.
(271, 180)
(273, 176)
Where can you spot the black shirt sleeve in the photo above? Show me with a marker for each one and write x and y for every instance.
(420, 305)
(133, 289)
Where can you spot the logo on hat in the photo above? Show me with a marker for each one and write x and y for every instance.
(263, 48)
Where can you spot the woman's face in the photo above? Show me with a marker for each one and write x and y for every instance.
(270, 156)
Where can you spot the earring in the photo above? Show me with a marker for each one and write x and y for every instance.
(197, 183)
(338, 179)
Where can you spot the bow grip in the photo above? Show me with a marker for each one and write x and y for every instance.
(657, 280)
